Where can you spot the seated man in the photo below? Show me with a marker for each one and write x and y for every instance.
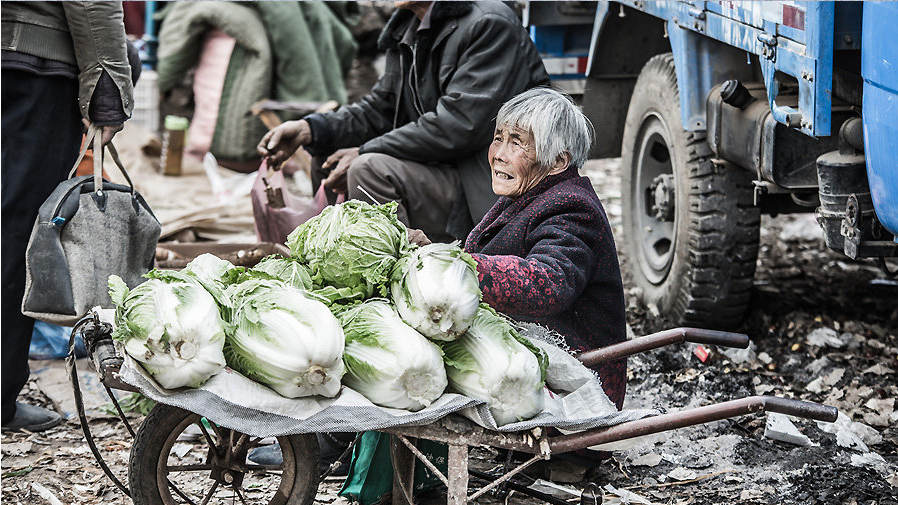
(421, 136)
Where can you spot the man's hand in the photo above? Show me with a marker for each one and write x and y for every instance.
(281, 142)
(106, 132)
(418, 237)
(340, 160)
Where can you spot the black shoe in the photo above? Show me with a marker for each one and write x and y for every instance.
(267, 455)
(271, 455)
(32, 418)
(330, 448)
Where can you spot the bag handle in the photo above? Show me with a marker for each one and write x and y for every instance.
(88, 140)
(95, 136)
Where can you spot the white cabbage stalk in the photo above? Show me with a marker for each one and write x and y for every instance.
(387, 361)
(172, 326)
(489, 363)
(285, 340)
(436, 290)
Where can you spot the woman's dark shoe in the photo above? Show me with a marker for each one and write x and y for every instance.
(32, 418)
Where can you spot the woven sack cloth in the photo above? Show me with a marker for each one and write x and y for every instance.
(83, 235)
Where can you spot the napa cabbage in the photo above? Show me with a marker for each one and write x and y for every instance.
(352, 245)
(172, 326)
(491, 362)
(436, 291)
(387, 361)
(284, 339)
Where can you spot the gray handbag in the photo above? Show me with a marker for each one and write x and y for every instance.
(87, 230)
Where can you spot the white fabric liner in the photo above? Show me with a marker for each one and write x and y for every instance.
(574, 401)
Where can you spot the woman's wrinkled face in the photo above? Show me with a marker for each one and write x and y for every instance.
(512, 158)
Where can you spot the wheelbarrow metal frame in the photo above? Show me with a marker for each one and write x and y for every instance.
(460, 434)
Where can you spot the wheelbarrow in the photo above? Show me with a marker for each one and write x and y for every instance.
(160, 470)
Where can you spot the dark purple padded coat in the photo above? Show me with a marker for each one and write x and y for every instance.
(549, 257)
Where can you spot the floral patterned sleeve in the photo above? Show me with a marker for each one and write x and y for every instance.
(545, 282)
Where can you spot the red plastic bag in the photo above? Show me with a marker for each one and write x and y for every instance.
(276, 211)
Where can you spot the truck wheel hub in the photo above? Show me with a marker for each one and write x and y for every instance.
(662, 197)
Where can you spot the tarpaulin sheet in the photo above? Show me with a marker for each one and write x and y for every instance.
(574, 401)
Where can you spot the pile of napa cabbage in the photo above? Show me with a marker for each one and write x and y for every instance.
(354, 305)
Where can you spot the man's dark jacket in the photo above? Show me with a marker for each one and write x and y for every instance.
(473, 58)
(548, 257)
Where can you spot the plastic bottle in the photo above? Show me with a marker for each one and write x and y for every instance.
(173, 144)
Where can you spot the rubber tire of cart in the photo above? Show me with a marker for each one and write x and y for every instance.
(163, 420)
(704, 276)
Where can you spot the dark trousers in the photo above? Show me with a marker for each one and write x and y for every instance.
(426, 193)
(41, 136)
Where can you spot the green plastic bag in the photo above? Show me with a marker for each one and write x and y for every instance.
(371, 469)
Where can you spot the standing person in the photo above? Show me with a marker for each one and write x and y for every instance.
(420, 137)
(64, 66)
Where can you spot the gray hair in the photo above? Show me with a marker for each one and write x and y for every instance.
(557, 124)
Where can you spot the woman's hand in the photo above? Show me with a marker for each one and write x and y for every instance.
(417, 237)
(340, 160)
(281, 142)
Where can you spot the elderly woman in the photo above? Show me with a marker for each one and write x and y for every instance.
(544, 251)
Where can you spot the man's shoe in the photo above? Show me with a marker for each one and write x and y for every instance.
(32, 418)
(267, 455)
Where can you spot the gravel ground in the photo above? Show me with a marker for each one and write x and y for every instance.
(823, 328)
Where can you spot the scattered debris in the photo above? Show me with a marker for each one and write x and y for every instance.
(750, 494)
(553, 489)
(46, 494)
(17, 448)
(823, 337)
(739, 356)
(650, 459)
(623, 496)
(882, 410)
(181, 450)
(850, 434)
(53, 380)
(780, 427)
(681, 473)
(878, 369)
(871, 460)
(701, 353)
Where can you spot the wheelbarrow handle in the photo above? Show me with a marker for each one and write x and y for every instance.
(799, 408)
(691, 417)
(661, 339)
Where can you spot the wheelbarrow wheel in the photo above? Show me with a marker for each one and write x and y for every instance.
(181, 457)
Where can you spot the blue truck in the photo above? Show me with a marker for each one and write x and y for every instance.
(722, 111)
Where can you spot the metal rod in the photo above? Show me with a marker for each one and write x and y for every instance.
(521, 488)
(210, 493)
(188, 468)
(420, 455)
(661, 339)
(700, 415)
(367, 194)
(505, 477)
(336, 464)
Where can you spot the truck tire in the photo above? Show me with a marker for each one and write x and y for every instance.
(690, 227)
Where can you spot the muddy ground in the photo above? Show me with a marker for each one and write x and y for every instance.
(823, 329)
